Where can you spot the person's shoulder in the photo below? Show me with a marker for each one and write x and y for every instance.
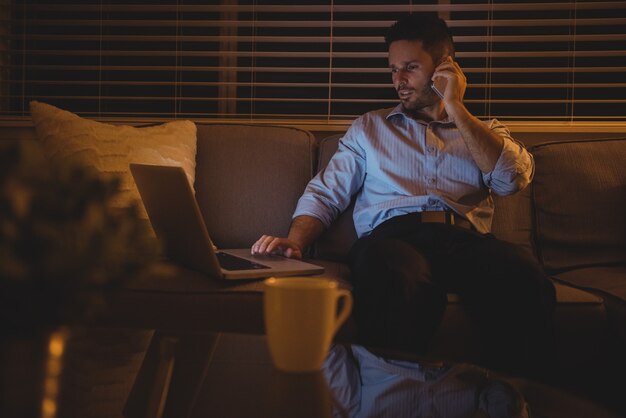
(376, 116)
(382, 113)
(369, 123)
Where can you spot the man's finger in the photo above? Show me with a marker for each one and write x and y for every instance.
(259, 246)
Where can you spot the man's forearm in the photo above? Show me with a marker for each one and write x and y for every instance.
(305, 230)
(484, 145)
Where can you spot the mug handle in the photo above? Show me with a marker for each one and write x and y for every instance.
(345, 309)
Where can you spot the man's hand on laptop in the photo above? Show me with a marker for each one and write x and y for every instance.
(269, 244)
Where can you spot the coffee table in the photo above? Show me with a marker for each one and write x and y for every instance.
(231, 375)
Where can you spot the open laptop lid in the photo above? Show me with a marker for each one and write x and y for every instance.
(178, 223)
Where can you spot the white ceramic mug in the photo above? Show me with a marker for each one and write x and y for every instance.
(301, 320)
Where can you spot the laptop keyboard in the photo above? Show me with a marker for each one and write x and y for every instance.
(231, 262)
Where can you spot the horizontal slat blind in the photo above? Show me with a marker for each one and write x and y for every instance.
(303, 59)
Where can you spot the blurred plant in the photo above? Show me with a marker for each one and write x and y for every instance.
(63, 249)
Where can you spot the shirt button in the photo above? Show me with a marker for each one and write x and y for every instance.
(432, 202)
(431, 180)
(431, 149)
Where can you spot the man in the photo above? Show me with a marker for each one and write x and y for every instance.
(422, 174)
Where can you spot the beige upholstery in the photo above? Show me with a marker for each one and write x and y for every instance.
(513, 219)
(249, 179)
(580, 201)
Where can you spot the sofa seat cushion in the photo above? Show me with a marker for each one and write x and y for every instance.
(610, 284)
(579, 193)
(608, 280)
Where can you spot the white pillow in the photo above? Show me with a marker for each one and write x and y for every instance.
(110, 149)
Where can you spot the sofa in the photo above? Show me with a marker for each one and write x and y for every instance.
(249, 177)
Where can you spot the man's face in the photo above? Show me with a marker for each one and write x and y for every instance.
(411, 70)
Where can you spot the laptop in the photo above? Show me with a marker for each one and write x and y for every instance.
(175, 216)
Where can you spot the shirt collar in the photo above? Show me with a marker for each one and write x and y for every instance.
(399, 110)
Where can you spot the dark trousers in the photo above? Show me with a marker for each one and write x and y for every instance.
(404, 269)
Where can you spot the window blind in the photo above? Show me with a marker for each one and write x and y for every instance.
(303, 59)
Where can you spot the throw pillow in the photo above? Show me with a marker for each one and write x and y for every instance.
(67, 137)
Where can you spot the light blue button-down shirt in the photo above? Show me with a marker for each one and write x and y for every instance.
(396, 165)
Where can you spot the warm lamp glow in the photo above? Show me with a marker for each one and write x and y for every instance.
(54, 367)
(56, 345)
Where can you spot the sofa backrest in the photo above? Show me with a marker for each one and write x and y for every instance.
(249, 179)
(579, 194)
(512, 221)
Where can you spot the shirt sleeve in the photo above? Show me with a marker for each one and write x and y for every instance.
(515, 167)
(329, 193)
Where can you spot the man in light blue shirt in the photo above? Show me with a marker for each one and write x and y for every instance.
(422, 175)
(375, 154)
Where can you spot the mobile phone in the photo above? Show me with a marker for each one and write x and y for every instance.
(439, 85)
(438, 90)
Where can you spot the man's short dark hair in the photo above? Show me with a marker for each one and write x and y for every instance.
(426, 27)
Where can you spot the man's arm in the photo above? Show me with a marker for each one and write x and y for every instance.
(326, 195)
(303, 231)
(484, 145)
(506, 165)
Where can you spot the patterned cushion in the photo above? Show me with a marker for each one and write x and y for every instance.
(110, 149)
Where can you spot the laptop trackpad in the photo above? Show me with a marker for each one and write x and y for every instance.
(233, 263)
